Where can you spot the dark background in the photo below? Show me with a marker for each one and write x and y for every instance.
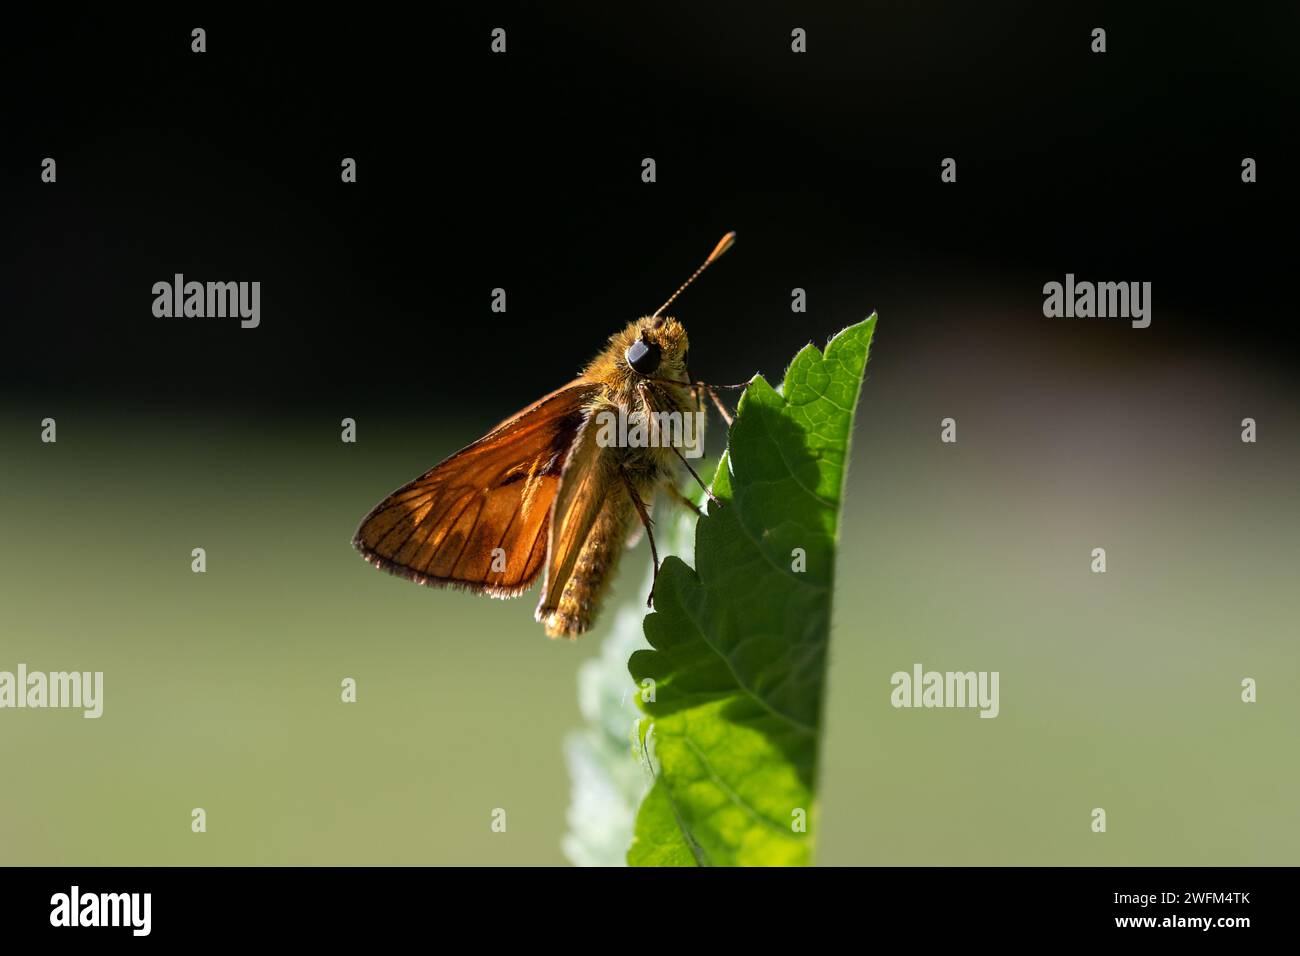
(523, 171)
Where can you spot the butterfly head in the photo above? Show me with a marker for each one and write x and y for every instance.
(655, 347)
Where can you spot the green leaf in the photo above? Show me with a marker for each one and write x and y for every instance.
(739, 644)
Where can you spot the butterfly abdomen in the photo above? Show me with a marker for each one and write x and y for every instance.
(595, 568)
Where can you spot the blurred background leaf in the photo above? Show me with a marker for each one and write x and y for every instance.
(608, 782)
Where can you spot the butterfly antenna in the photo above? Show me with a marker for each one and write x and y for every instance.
(725, 243)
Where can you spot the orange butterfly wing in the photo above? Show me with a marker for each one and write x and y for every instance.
(442, 528)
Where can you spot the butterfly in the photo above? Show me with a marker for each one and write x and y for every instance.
(554, 487)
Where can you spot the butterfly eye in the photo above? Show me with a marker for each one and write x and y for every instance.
(643, 356)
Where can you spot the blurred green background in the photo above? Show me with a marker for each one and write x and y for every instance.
(1119, 690)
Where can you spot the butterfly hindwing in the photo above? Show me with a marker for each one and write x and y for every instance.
(575, 511)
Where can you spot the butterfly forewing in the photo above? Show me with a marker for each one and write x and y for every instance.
(444, 528)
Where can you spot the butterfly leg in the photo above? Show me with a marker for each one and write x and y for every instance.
(683, 500)
(710, 390)
(722, 409)
(644, 515)
(700, 481)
